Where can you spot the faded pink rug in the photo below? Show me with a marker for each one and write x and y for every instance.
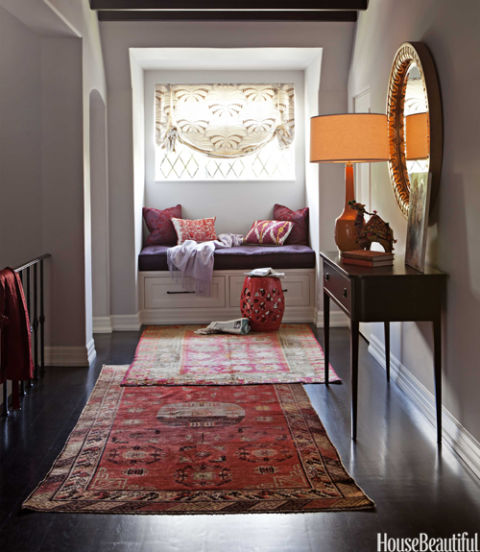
(175, 355)
(197, 450)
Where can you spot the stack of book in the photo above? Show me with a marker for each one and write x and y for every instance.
(367, 258)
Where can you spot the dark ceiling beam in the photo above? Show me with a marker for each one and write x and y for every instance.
(275, 5)
(227, 15)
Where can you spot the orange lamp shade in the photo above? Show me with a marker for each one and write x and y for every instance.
(417, 136)
(349, 138)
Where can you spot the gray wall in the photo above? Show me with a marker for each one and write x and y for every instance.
(20, 157)
(335, 38)
(451, 31)
(50, 60)
(62, 181)
(41, 163)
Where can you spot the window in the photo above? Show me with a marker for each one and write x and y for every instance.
(224, 132)
(269, 163)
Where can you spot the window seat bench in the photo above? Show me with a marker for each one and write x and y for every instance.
(163, 301)
(154, 257)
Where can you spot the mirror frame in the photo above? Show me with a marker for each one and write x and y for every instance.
(406, 55)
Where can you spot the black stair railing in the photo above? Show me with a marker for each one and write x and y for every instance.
(33, 281)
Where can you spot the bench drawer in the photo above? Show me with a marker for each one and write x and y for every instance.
(163, 292)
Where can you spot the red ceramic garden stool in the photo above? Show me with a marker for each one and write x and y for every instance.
(262, 302)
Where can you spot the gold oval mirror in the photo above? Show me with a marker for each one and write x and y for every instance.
(414, 121)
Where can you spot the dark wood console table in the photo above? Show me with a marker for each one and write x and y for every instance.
(383, 294)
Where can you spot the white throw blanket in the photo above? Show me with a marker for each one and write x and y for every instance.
(191, 263)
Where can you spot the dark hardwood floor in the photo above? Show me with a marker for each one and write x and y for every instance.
(395, 460)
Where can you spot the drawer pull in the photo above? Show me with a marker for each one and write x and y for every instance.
(285, 290)
(178, 292)
(327, 276)
(345, 292)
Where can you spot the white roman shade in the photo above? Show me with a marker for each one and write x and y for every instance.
(224, 120)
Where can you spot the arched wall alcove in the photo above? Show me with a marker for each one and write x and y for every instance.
(100, 257)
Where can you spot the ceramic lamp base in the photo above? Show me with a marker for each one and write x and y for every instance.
(345, 230)
(346, 233)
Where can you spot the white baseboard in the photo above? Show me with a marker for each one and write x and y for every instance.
(207, 315)
(125, 322)
(133, 322)
(337, 319)
(102, 324)
(459, 439)
(69, 356)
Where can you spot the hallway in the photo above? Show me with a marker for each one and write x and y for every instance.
(395, 461)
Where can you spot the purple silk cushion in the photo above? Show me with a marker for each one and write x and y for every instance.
(159, 224)
(268, 232)
(299, 233)
(154, 257)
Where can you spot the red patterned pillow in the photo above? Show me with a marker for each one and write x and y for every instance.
(299, 233)
(199, 230)
(269, 232)
(160, 225)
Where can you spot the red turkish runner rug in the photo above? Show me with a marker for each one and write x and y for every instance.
(197, 450)
(176, 355)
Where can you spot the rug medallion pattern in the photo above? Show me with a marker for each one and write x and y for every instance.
(176, 355)
(193, 449)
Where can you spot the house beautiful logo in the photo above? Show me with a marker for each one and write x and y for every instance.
(458, 542)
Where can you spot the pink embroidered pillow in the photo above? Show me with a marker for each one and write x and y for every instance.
(199, 230)
(160, 225)
(269, 232)
(299, 233)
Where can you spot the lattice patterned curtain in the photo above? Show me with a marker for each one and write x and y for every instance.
(224, 120)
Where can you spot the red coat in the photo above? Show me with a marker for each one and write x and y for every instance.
(16, 349)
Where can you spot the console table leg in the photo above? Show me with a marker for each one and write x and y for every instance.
(354, 335)
(437, 366)
(326, 334)
(387, 349)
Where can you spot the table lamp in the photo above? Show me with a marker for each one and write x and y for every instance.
(348, 138)
(417, 136)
